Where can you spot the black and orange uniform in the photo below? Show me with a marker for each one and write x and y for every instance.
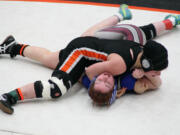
(83, 52)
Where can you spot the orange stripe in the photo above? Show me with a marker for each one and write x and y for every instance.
(77, 53)
(101, 4)
(71, 60)
(22, 50)
(20, 93)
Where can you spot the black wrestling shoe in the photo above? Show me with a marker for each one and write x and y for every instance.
(7, 45)
(6, 102)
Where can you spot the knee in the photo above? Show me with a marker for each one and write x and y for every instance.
(49, 89)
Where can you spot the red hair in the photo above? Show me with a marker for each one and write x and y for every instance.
(98, 97)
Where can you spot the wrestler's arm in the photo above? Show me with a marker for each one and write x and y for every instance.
(147, 83)
(121, 92)
(114, 65)
(143, 84)
(110, 21)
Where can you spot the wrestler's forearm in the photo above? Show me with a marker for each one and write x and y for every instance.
(96, 69)
(155, 81)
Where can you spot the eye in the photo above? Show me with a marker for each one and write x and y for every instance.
(107, 84)
(98, 81)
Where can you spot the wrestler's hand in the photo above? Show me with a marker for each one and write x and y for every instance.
(138, 73)
(121, 92)
(89, 73)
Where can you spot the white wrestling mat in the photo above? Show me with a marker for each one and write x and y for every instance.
(53, 26)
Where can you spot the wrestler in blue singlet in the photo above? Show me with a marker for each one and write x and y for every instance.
(126, 81)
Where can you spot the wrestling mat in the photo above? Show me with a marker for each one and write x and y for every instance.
(53, 26)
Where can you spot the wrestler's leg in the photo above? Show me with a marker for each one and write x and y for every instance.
(113, 20)
(158, 28)
(7, 100)
(124, 14)
(42, 55)
(38, 89)
(56, 86)
(147, 83)
(169, 23)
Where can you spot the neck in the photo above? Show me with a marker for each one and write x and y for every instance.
(138, 61)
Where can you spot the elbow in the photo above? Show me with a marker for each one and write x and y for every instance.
(157, 84)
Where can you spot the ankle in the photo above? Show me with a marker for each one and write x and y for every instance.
(17, 49)
(174, 19)
(119, 16)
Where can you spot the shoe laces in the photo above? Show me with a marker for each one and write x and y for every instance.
(4, 47)
(2, 98)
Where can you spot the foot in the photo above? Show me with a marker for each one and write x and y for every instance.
(176, 17)
(5, 104)
(125, 12)
(7, 45)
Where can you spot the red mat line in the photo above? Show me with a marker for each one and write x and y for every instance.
(100, 4)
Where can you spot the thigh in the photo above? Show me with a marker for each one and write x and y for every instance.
(124, 32)
(52, 60)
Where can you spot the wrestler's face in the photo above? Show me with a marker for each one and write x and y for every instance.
(104, 82)
(153, 73)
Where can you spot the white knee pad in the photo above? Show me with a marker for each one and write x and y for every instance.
(53, 88)
(59, 84)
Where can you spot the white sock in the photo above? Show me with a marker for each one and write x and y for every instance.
(173, 20)
(120, 17)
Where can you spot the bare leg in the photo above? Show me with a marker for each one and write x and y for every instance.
(113, 20)
(42, 55)
(28, 91)
(167, 24)
(45, 57)
(51, 59)
(123, 14)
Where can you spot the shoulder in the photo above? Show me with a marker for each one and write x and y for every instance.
(116, 63)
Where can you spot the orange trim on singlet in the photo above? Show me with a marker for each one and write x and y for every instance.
(20, 93)
(21, 50)
(76, 54)
(100, 4)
